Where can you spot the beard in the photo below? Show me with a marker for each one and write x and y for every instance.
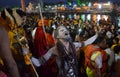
(69, 39)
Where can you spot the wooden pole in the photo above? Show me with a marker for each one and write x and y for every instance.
(41, 16)
(23, 5)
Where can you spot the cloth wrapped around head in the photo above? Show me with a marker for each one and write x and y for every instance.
(45, 22)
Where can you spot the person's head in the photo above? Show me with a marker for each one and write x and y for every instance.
(116, 40)
(100, 41)
(62, 33)
(109, 42)
(117, 49)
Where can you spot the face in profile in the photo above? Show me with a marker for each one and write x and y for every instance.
(63, 33)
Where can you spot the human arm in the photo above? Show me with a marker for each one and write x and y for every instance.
(43, 59)
(85, 43)
(90, 40)
(6, 55)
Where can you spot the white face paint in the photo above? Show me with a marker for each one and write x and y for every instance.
(63, 33)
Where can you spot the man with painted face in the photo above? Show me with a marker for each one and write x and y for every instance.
(65, 53)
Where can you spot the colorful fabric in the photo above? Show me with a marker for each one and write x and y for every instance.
(41, 48)
(90, 59)
(2, 74)
(91, 72)
(50, 40)
(45, 22)
(40, 42)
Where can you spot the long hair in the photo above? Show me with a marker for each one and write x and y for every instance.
(67, 57)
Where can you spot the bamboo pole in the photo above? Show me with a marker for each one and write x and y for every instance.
(23, 5)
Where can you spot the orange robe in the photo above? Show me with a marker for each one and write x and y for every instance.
(40, 42)
(50, 40)
(41, 48)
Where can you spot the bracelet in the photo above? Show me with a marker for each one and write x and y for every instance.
(42, 60)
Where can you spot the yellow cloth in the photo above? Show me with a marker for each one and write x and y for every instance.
(113, 46)
(1, 62)
(14, 44)
(91, 72)
(27, 58)
(12, 41)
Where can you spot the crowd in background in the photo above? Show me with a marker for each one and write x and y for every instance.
(38, 38)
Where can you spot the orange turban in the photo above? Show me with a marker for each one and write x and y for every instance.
(45, 21)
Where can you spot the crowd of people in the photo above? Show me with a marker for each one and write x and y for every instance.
(57, 47)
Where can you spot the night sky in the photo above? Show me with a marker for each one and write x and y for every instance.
(11, 3)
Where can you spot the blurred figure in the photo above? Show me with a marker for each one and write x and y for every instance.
(96, 58)
(116, 67)
(115, 42)
(81, 63)
(110, 55)
(40, 43)
(6, 55)
(12, 21)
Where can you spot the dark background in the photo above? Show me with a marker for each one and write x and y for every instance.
(17, 3)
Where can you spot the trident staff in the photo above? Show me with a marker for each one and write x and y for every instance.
(25, 49)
